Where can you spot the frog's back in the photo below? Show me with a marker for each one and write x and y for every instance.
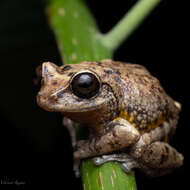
(145, 102)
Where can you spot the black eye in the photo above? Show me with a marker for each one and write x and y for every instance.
(85, 85)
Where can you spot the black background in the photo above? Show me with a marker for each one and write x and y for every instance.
(34, 147)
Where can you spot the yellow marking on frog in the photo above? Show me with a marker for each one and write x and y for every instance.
(156, 123)
(118, 118)
(124, 114)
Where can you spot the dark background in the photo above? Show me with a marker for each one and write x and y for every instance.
(34, 147)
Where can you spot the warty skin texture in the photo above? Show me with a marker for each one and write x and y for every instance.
(130, 111)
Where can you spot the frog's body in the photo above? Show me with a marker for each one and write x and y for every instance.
(124, 106)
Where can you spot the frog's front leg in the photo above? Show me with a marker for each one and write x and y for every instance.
(71, 126)
(118, 134)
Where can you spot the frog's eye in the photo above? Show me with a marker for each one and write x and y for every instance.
(85, 85)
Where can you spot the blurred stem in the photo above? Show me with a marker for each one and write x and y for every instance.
(129, 23)
(79, 39)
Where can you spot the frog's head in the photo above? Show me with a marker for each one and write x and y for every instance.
(72, 89)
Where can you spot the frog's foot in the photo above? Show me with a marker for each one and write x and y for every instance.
(128, 163)
(111, 157)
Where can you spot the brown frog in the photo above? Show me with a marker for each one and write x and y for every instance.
(125, 108)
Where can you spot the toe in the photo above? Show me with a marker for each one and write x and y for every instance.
(97, 161)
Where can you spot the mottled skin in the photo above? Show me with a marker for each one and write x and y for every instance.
(131, 113)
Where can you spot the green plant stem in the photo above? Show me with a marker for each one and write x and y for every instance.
(79, 39)
(128, 23)
(76, 32)
(109, 176)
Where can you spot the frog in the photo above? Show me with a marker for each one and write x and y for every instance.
(129, 115)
